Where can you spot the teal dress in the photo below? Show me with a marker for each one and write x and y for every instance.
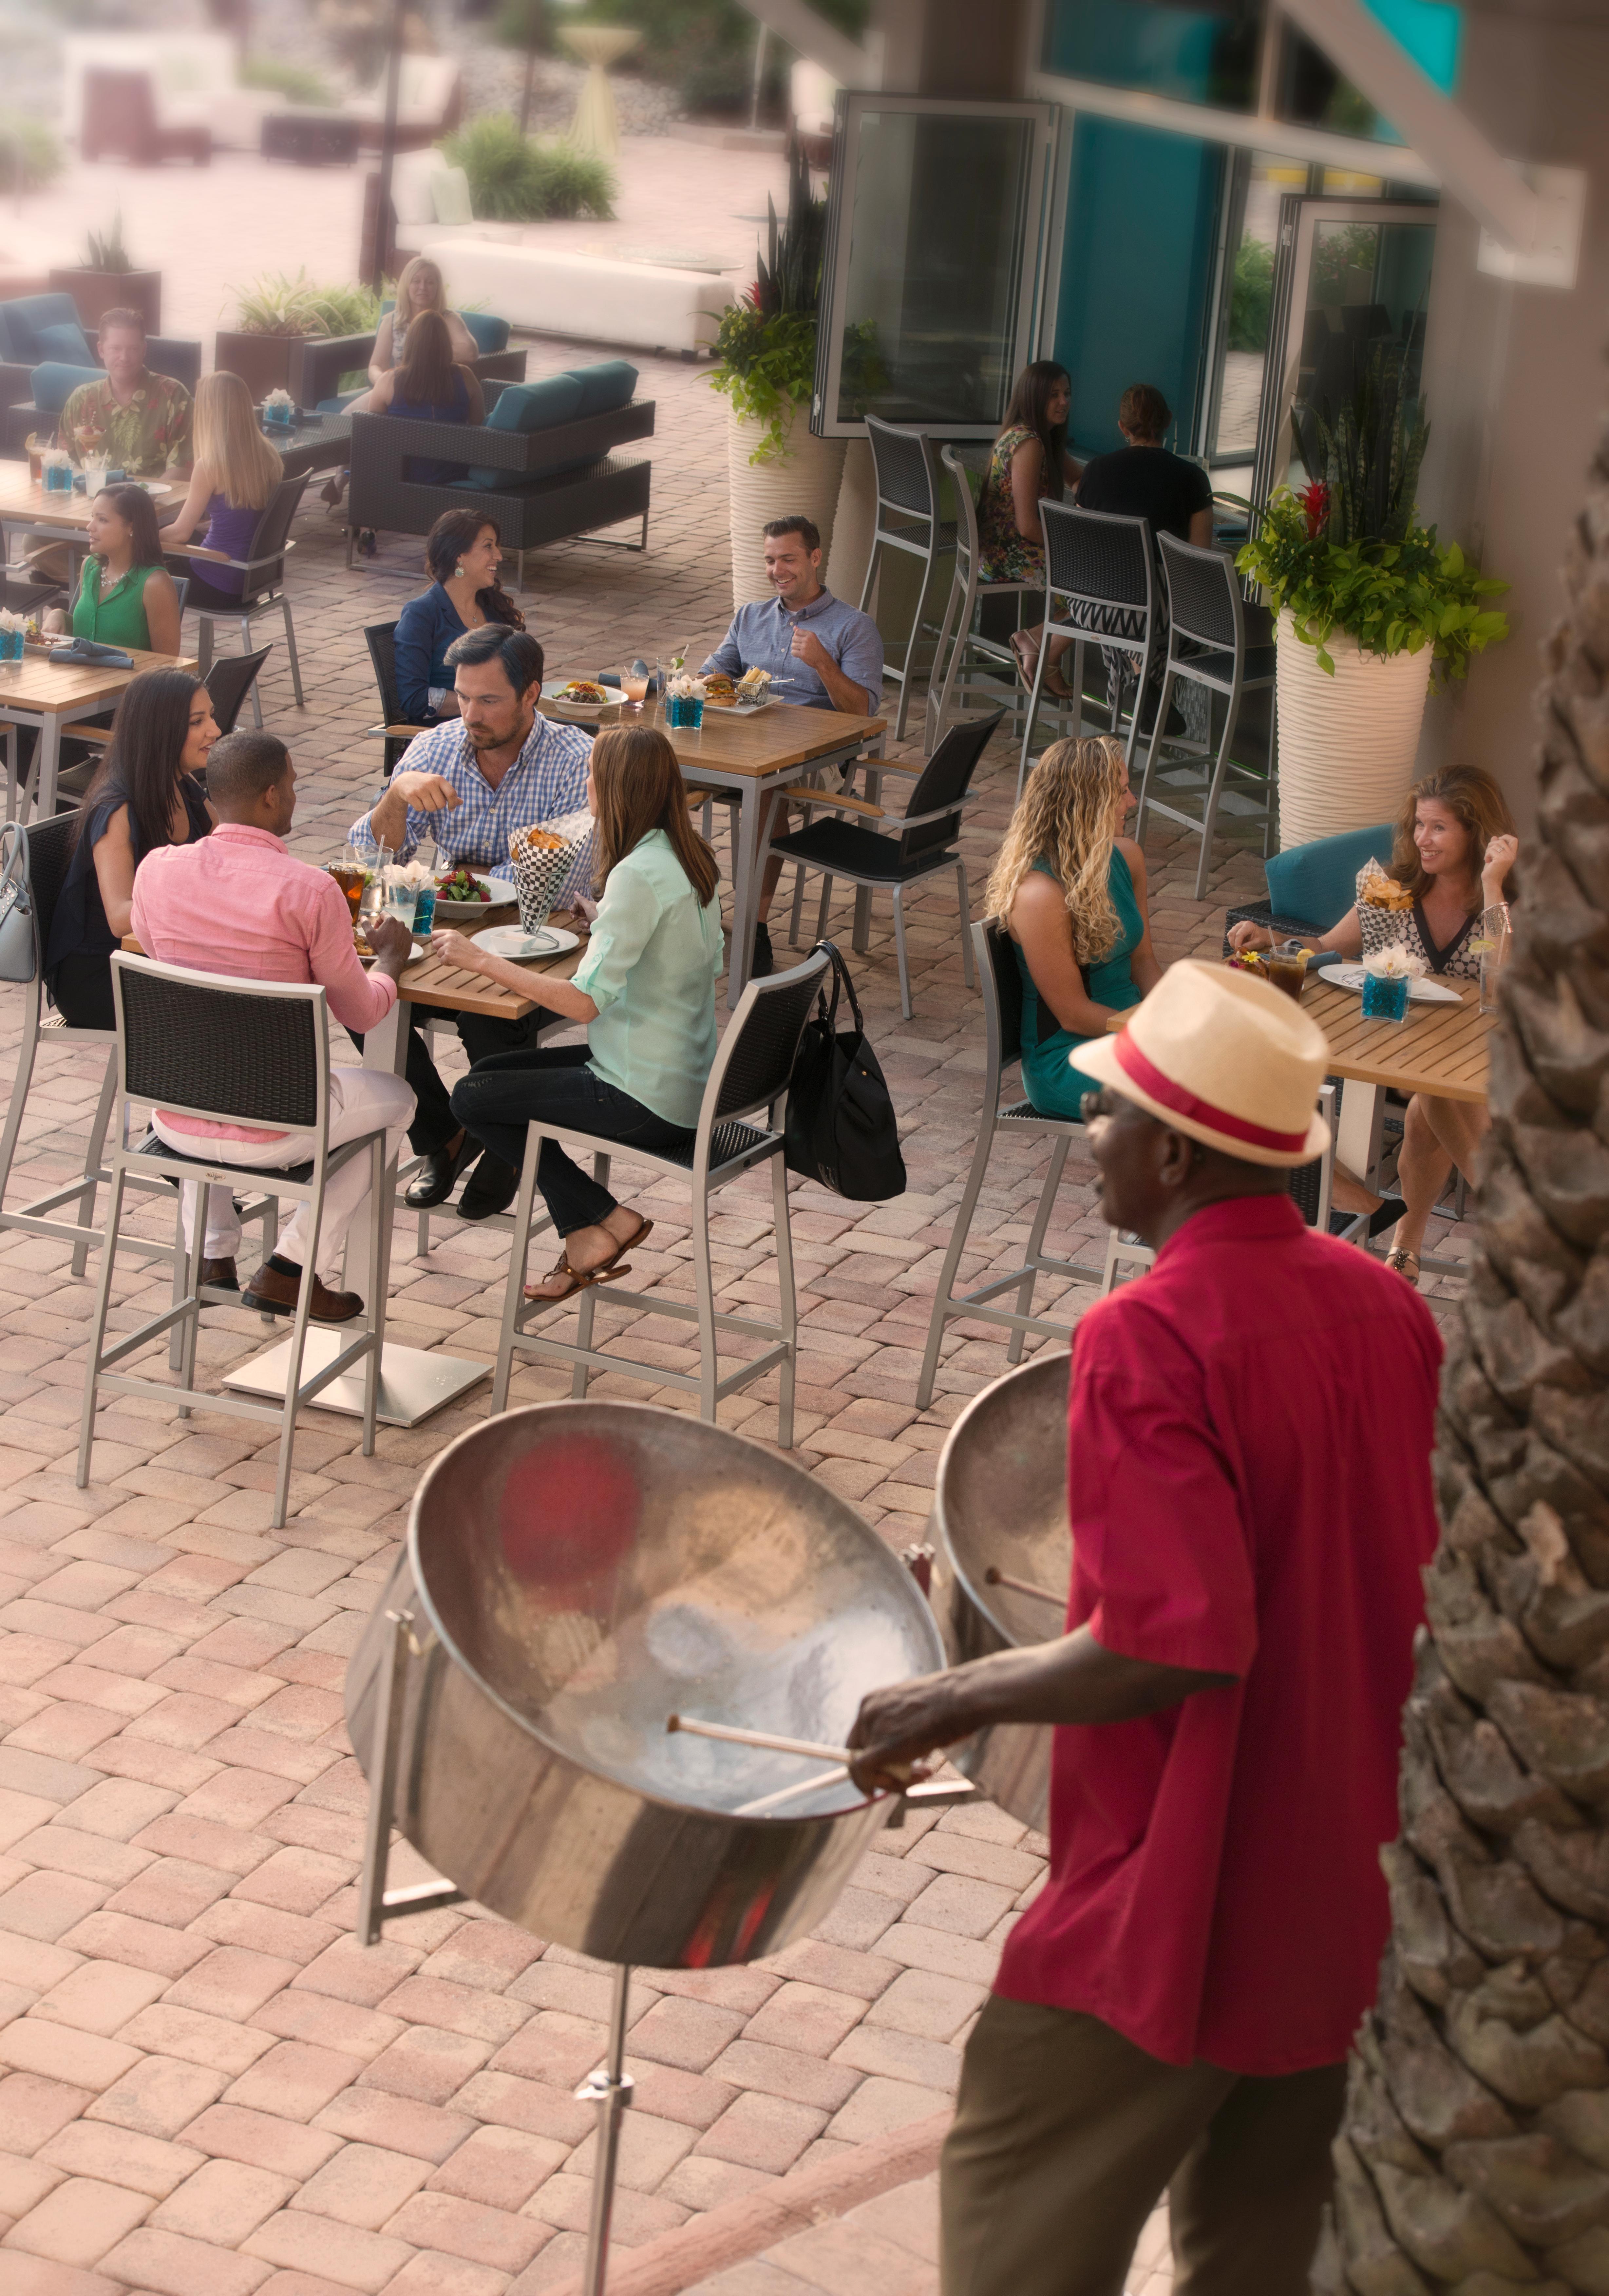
(1055, 1086)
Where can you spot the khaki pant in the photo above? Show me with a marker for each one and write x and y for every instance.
(1066, 2135)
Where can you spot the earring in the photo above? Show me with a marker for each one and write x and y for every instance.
(459, 569)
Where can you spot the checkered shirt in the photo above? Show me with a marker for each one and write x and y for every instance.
(547, 779)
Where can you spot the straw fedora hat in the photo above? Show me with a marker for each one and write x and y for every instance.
(1224, 1057)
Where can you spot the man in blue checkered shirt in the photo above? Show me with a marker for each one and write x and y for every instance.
(470, 783)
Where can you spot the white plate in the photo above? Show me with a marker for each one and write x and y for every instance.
(366, 955)
(463, 913)
(741, 709)
(513, 941)
(1419, 992)
(157, 493)
(553, 692)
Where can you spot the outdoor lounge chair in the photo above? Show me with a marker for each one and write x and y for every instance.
(46, 354)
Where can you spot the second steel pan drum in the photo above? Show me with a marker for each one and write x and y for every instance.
(574, 1573)
(1000, 1502)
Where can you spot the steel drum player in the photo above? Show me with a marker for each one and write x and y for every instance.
(1250, 1433)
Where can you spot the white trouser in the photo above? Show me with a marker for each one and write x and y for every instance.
(361, 1100)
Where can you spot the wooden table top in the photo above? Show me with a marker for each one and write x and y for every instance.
(1440, 1049)
(38, 684)
(22, 497)
(768, 742)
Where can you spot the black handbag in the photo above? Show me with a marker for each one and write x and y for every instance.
(840, 1128)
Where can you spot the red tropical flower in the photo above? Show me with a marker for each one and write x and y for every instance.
(1315, 501)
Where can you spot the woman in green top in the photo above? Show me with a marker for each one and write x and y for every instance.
(126, 595)
(1070, 888)
(645, 989)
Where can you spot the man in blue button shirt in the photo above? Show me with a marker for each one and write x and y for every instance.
(820, 652)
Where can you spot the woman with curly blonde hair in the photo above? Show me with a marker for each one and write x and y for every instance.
(1070, 888)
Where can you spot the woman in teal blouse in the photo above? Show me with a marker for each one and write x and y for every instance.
(126, 596)
(645, 989)
(1070, 888)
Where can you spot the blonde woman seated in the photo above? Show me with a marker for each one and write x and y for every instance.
(233, 481)
(645, 988)
(1070, 888)
(1453, 848)
(420, 288)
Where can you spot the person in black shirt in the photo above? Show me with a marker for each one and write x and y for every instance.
(1143, 479)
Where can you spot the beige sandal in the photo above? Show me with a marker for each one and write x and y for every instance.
(1399, 1259)
(580, 1278)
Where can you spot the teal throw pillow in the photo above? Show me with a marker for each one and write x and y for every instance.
(54, 384)
(606, 386)
(64, 343)
(527, 407)
(490, 335)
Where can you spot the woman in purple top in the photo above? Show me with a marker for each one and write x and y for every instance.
(233, 481)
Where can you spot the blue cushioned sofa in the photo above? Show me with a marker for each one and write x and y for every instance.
(43, 334)
(542, 465)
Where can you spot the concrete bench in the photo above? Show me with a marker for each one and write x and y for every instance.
(593, 297)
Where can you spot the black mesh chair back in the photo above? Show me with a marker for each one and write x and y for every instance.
(50, 845)
(944, 781)
(907, 478)
(757, 1061)
(232, 1051)
(272, 532)
(382, 639)
(1203, 593)
(1007, 988)
(229, 680)
(1104, 565)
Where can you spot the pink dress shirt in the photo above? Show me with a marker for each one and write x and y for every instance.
(237, 902)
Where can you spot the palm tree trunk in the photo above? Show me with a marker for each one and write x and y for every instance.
(1474, 2153)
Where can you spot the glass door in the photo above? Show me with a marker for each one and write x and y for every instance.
(1351, 278)
(935, 262)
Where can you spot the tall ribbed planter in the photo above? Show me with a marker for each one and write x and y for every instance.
(1347, 744)
(806, 479)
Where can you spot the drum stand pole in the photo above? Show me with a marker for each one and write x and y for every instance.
(609, 2089)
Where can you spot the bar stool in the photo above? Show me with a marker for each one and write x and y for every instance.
(753, 1071)
(1207, 647)
(1106, 567)
(966, 590)
(907, 521)
(256, 1053)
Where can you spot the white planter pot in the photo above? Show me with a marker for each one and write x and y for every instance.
(1347, 744)
(806, 479)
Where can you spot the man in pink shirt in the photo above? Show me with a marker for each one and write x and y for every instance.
(250, 909)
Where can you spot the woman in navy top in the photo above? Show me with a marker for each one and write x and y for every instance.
(236, 474)
(427, 386)
(462, 554)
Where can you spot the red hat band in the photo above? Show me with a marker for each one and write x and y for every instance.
(1185, 1103)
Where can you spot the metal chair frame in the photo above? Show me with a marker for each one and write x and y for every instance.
(724, 1146)
(263, 590)
(393, 729)
(304, 1182)
(1206, 621)
(1071, 534)
(961, 608)
(943, 854)
(907, 521)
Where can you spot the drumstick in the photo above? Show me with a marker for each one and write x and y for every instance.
(993, 1577)
(761, 1738)
(791, 1793)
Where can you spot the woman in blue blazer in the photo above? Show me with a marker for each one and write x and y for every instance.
(463, 554)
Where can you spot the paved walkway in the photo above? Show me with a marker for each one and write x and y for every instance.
(211, 2091)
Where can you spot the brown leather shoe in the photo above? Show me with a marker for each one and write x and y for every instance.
(220, 1275)
(270, 1293)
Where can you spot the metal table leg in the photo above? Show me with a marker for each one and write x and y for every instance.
(745, 887)
(609, 2089)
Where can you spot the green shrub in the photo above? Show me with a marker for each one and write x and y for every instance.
(30, 156)
(278, 304)
(1251, 296)
(295, 82)
(514, 178)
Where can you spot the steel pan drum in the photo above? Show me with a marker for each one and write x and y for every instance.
(577, 1571)
(1001, 1501)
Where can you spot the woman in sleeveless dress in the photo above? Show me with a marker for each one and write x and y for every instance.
(1453, 848)
(236, 474)
(1070, 888)
(1029, 464)
(420, 288)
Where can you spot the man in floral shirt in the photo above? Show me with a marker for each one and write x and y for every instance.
(136, 421)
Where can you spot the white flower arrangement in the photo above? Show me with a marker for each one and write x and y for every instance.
(281, 397)
(410, 875)
(1395, 964)
(10, 623)
(685, 687)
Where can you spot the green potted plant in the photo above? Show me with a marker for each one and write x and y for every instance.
(766, 369)
(106, 279)
(274, 313)
(1368, 603)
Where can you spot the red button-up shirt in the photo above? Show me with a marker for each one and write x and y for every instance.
(1249, 1468)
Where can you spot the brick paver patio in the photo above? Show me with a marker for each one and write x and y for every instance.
(206, 2088)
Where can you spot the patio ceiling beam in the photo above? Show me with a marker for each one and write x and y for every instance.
(811, 37)
(1478, 177)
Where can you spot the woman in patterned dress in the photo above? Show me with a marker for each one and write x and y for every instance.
(1453, 848)
(1029, 464)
